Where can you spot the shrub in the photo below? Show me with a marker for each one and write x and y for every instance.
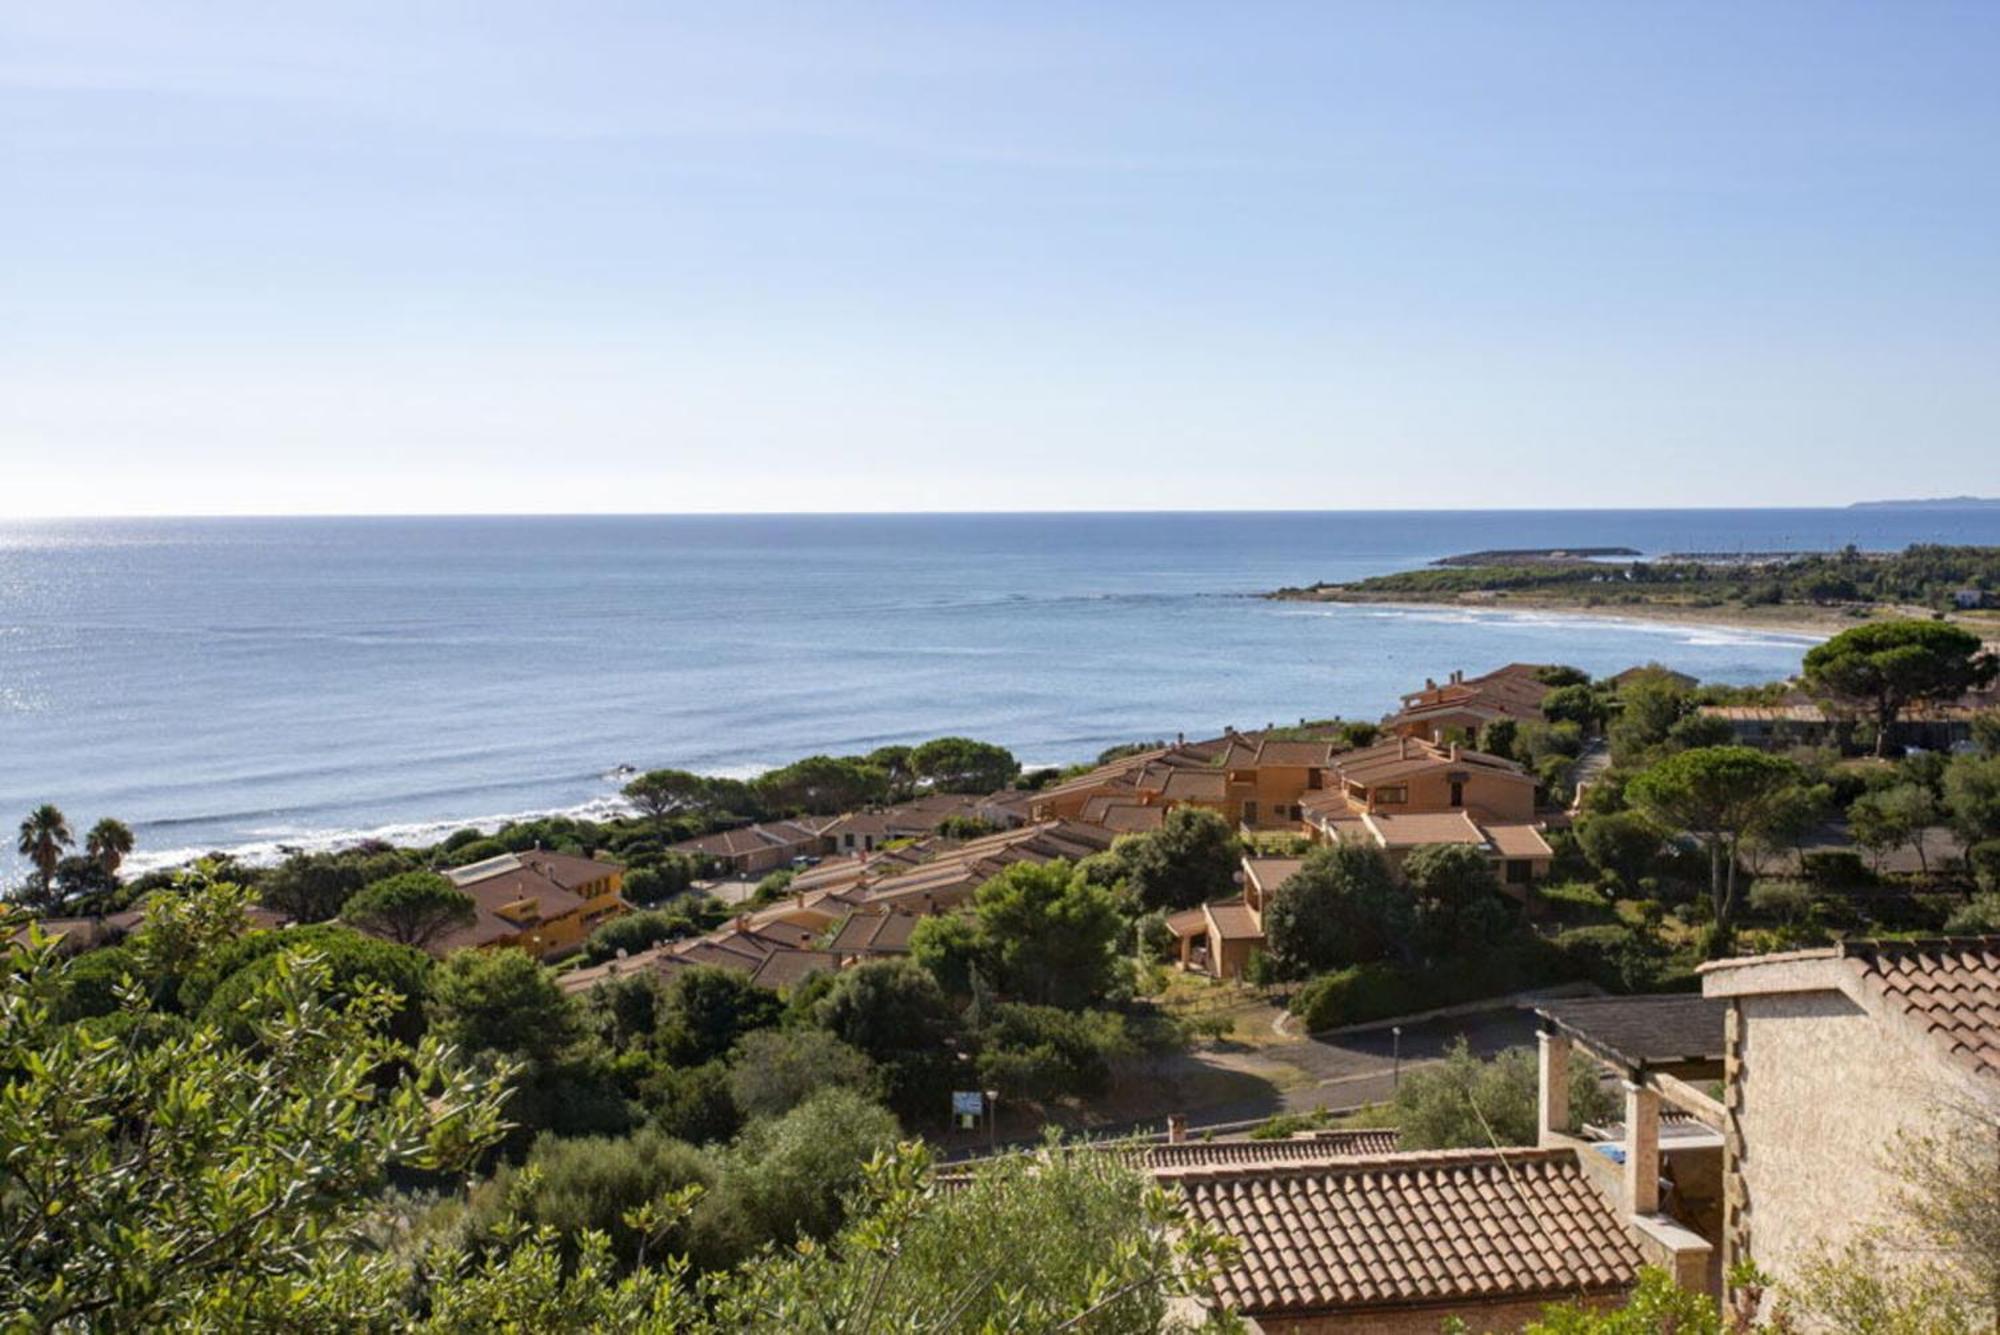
(350, 959)
(1980, 916)
(1784, 901)
(1836, 869)
(1466, 1103)
(691, 1103)
(634, 932)
(1983, 861)
(593, 1182)
(790, 1177)
(772, 1071)
(1044, 1052)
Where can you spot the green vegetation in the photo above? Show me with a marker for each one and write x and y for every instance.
(1465, 1103)
(1885, 667)
(1924, 575)
(412, 908)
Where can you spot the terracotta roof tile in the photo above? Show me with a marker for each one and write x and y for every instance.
(1949, 987)
(1407, 1229)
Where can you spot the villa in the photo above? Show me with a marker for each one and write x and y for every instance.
(1463, 705)
(544, 903)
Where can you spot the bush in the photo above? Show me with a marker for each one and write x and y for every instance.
(1782, 901)
(691, 1103)
(662, 879)
(634, 932)
(895, 1012)
(1466, 1103)
(350, 958)
(773, 1071)
(90, 979)
(790, 1177)
(1360, 993)
(1836, 869)
(1340, 908)
(593, 1182)
(706, 1010)
(1983, 861)
(1044, 1052)
(1192, 857)
(1979, 917)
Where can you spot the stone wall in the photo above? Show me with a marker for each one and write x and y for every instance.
(1820, 1094)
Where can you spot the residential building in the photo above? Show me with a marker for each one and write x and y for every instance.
(1660, 1167)
(1395, 1243)
(753, 850)
(1461, 706)
(1837, 1062)
(544, 903)
(1219, 939)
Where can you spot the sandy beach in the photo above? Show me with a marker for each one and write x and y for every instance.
(1817, 623)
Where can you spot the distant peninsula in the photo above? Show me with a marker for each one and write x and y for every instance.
(1813, 593)
(1933, 503)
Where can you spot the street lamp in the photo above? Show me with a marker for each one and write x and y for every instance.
(1396, 1079)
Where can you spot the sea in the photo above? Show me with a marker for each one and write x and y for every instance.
(258, 685)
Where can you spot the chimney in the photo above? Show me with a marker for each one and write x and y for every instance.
(1176, 1128)
(1430, 683)
(798, 899)
(1402, 748)
(1457, 676)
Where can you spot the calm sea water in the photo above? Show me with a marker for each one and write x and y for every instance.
(253, 683)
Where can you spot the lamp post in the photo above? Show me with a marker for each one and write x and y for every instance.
(993, 1120)
(1396, 1078)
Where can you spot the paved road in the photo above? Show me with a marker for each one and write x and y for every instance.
(1362, 1068)
(1343, 1071)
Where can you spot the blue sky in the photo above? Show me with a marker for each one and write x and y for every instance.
(583, 257)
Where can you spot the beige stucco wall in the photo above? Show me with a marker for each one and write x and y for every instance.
(1826, 1092)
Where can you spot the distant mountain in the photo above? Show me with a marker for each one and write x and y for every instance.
(1933, 503)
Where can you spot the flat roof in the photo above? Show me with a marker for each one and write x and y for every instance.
(1662, 1029)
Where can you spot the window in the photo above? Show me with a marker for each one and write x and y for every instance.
(1315, 778)
(1392, 796)
(1457, 793)
(1249, 813)
(1519, 871)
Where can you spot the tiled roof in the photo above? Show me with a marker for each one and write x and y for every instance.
(1411, 1229)
(1267, 874)
(747, 839)
(1423, 827)
(1401, 757)
(1950, 988)
(1234, 921)
(1315, 1148)
(1518, 841)
(788, 968)
(875, 934)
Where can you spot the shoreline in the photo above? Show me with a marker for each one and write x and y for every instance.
(1813, 623)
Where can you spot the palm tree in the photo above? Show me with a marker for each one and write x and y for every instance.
(107, 844)
(44, 836)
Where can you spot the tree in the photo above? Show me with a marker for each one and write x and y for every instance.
(414, 908)
(1623, 843)
(1718, 794)
(893, 761)
(44, 834)
(1972, 795)
(961, 765)
(790, 1177)
(310, 887)
(823, 785)
(107, 844)
(1893, 817)
(1574, 703)
(630, 933)
(1046, 1052)
(1191, 858)
(232, 1195)
(572, 1185)
(501, 1001)
(662, 793)
(1050, 933)
(952, 949)
(772, 1071)
(1341, 907)
(707, 1009)
(219, 987)
(1466, 1103)
(895, 1012)
(1456, 899)
(1884, 666)
(1647, 711)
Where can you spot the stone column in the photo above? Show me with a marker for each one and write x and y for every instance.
(1642, 1149)
(1555, 1086)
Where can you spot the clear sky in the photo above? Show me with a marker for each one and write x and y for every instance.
(577, 256)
